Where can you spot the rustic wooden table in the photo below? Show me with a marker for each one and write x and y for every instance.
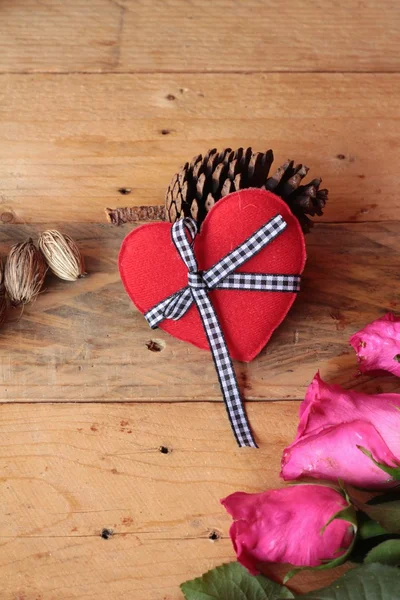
(101, 95)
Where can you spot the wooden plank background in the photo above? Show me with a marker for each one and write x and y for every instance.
(86, 342)
(71, 141)
(69, 471)
(109, 94)
(174, 36)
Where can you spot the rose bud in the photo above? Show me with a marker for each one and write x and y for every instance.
(288, 526)
(334, 424)
(378, 345)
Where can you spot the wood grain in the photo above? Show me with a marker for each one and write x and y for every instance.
(68, 143)
(85, 341)
(109, 95)
(69, 471)
(171, 35)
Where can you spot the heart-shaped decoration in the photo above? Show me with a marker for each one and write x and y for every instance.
(151, 270)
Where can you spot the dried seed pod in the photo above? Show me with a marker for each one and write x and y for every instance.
(62, 255)
(24, 273)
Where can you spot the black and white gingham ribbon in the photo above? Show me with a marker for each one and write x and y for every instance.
(222, 276)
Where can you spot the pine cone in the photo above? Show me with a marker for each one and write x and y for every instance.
(203, 181)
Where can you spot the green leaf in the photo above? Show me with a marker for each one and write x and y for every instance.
(369, 582)
(397, 358)
(233, 582)
(369, 528)
(387, 553)
(363, 547)
(347, 514)
(390, 496)
(387, 515)
(394, 472)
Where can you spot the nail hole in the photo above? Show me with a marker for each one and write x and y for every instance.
(170, 97)
(165, 131)
(214, 536)
(125, 191)
(155, 345)
(106, 533)
(164, 450)
(340, 156)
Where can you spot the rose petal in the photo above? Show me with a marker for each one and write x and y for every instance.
(378, 345)
(332, 453)
(285, 526)
(326, 405)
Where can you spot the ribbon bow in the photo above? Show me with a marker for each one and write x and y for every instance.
(222, 276)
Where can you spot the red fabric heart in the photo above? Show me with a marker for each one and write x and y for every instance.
(151, 270)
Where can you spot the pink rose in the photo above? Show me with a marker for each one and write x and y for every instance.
(378, 345)
(286, 526)
(333, 424)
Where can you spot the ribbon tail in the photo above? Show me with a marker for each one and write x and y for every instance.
(260, 282)
(224, 367)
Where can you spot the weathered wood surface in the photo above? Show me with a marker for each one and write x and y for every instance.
(85, 341)
(109, 94)
(69, 142)
(171, 35)
(70, 471)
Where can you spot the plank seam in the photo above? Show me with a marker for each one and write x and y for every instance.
(194, 72)
(140, 402)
